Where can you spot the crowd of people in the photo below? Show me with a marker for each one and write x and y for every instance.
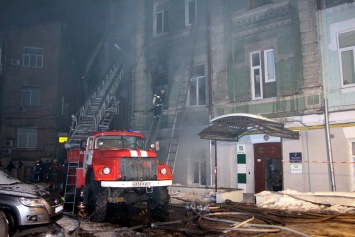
(50, 172)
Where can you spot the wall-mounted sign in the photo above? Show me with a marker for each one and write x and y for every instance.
(296, 157)
(63, 139)
(241, 149)
(296, 168)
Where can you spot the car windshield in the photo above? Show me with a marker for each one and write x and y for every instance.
(117, 142)
(6, 178)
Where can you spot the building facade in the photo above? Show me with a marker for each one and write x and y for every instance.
(38, 91)
(268, 58)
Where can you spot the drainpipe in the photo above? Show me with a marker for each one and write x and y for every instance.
(321, 6)
(209, 75)
(215, 165)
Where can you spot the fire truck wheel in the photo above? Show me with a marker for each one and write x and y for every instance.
(158, 202)
(97, 201)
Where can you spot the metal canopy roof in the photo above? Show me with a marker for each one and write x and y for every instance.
(232, 127)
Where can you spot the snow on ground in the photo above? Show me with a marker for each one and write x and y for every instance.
(339, 202)
(336, 202)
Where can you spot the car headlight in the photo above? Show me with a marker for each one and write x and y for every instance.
(163, 171)
(106, 170)
(31, 202)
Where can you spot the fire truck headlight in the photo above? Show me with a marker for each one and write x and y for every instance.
(106, 170)
(163, 171)
(152, 146)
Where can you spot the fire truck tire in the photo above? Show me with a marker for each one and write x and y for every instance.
(158, 202)
(97, 201)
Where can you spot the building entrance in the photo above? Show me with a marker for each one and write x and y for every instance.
(268, 167)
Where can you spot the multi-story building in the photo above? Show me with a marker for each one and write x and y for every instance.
(261, 82)
(38, 92)
(336, 24)
(245, 60)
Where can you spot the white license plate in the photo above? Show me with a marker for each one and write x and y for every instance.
(58, 209)
(140, 184)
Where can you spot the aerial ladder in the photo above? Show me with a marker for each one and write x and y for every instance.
(181, 99)
(153, 131)
(94, 115)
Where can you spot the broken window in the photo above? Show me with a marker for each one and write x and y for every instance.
(347, 56)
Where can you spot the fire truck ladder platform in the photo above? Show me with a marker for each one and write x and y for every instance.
(153, 131)
(97, 112)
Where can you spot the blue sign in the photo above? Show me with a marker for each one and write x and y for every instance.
(296, 157)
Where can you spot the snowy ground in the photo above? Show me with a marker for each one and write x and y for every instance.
(338, 202)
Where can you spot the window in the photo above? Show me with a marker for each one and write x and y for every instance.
(256, 75)
(33, 57)
(199, 176)
(30, 96)
(263, 78)
(161, 18)
(347, 56)
(190, 11)
(197, 89)
(27, 138)
(160, 74)
(269, 65)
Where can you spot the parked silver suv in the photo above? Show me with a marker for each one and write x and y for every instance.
(27, 205)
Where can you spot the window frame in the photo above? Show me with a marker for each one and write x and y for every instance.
(340, 56)
(197, 92)
(262, 68)
(32, 90)
(199, 176)
(28, 58)
(165, 17)
(267, 63)
(188, 21)
(252, 76)
(30, 135)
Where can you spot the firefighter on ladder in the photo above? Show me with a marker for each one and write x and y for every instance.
(158, 101)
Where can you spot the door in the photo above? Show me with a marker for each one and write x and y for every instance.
(266, 155)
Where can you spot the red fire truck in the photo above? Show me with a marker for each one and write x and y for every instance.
(114, 167)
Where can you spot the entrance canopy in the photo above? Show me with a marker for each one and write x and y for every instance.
(232, 127)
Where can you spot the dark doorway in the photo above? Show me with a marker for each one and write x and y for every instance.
(265, 155)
